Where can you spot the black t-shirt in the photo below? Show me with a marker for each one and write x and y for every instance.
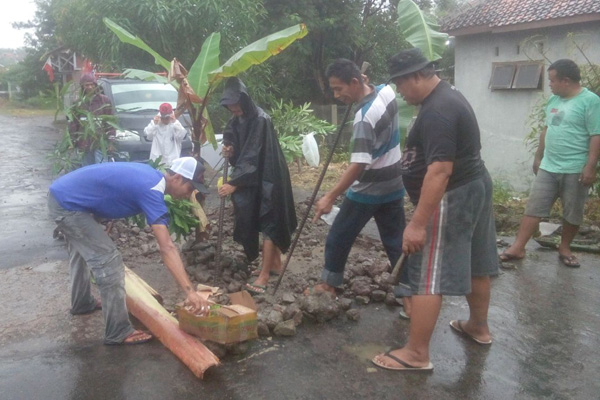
(445, 130)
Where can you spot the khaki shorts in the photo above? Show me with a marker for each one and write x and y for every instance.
(549, 186)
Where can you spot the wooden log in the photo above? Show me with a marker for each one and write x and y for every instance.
(165, 327)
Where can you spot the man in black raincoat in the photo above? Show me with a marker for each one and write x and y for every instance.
(259, 185)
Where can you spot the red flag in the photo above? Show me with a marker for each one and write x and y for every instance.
(48, 68)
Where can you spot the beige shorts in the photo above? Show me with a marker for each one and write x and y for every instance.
(549, 186)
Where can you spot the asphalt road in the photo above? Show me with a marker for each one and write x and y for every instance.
(544, 319)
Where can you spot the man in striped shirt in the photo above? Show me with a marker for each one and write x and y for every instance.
(372, 182)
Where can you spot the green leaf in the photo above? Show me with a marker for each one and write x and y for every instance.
(257, 52)
(144, 75)
(421, 30)
(127, 37)
(207, 61)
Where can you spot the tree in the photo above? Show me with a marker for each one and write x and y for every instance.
(171, 28)
(360, 30)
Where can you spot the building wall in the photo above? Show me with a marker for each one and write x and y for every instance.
(503, 114)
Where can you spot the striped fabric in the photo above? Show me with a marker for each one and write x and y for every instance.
(433, 251)
(376, 142)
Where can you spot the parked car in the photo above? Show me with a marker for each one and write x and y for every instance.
(135, 103)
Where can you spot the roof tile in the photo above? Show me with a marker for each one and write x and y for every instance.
(496, 13)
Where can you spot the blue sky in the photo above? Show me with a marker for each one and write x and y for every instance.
(11, 12)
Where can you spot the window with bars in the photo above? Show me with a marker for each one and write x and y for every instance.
(517, 75)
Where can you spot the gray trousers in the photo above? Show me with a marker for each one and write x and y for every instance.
(90, 248)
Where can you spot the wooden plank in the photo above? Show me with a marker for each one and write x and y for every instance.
(165, 327)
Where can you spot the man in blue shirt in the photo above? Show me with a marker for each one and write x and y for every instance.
(119, 190)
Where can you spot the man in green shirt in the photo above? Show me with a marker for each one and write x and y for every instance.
(565, 162)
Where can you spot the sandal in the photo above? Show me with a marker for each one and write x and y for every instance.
(569, 261)
(255, 289)
(137, 337)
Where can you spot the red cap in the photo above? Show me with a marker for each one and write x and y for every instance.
(165, 110)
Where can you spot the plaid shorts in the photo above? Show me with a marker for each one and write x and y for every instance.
(460, 244)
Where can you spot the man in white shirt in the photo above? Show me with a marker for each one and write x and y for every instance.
(166, 133)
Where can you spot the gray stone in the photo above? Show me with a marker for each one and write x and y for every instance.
(290, 311)
(285, 328)
(202, 276)
(361, 286)
(234, 286)
(288, 298)
(205, 255)
(362, 300)
(390, 299)
(378, 296)
(356, 270)
(322, 306)
(345, 303)
(353, 314)
(263, 329)
(297, 318)
(273, 318)
(377, 268)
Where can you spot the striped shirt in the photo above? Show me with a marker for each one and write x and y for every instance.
(376, 142)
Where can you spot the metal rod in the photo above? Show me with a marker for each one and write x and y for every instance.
(314, 196)
(220, 224)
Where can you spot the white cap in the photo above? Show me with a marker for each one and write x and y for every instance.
(190, 169)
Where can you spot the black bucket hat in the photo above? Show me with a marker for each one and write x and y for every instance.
(406, 62)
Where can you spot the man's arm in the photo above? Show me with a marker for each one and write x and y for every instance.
(588, 175)
(434, 187)
(324, 205)
(539, 154)
(170, 256)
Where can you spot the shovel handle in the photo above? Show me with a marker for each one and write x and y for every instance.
(397, 269)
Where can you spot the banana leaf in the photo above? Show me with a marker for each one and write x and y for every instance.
(144, 75)
(208, 60)
(421, 30)
(257, 52)
(127, 37)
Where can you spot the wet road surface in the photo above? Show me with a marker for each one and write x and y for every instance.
(545, 320)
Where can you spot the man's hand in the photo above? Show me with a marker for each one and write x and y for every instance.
(226, 189)
(156, 120)
(227, 151)
(323, 206)
(413, 239)
(173, 118)
(198, 304)
(588, 175)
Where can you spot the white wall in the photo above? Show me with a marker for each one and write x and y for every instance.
(503, 114)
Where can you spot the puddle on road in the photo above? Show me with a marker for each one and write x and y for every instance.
(364, 351)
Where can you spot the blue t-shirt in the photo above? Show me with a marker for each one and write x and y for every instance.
(114, 190)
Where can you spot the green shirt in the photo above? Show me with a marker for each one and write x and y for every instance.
(570, 122)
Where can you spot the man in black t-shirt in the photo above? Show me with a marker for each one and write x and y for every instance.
(451, 238)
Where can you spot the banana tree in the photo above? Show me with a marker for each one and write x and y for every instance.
(422, 31)
(205, 74)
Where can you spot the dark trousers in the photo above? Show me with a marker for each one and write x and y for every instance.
(351, 219)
